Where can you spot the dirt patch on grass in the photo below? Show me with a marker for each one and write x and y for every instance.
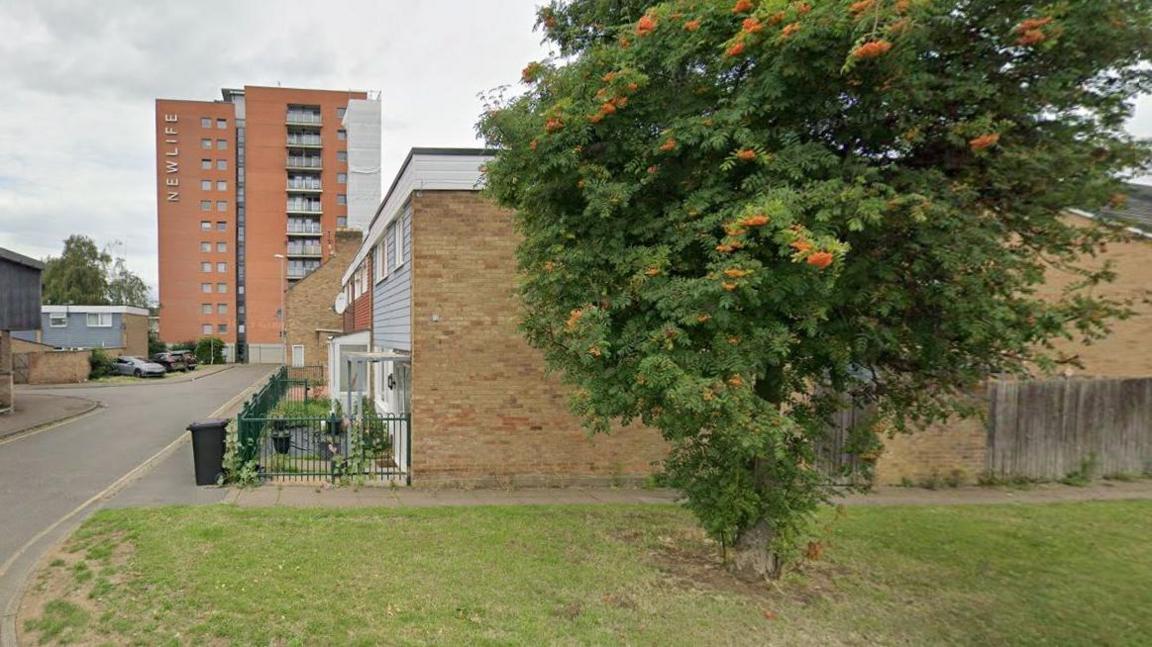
(62, 605)
(689, 560)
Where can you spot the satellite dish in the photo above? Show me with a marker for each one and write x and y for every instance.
(341, 303)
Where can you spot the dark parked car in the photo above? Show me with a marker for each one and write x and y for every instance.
(171, 361)
(189, 358)
(138, 366)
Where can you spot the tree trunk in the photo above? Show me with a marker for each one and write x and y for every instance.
(753, 559)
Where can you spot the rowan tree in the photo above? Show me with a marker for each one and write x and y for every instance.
(735, 214)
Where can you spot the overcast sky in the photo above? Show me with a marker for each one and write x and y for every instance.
(79, 80)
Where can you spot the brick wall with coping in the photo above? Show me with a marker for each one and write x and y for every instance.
(484, 409)
(1126, 352)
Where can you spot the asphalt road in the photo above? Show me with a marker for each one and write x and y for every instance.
(49, 475)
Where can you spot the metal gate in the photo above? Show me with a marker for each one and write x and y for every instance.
(20, 368)
(291, 431)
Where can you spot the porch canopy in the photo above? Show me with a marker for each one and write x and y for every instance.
(356, 359)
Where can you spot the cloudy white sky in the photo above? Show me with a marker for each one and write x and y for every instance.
(79, 80)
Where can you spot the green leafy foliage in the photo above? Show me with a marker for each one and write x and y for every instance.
(77, 276)
(155, 345)
(86, 275)
(99, 364)
(735, 213)
(209, 350)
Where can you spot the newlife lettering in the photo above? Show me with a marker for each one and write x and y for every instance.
(171, 166)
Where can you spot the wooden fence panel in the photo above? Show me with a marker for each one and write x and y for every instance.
(1046, 429)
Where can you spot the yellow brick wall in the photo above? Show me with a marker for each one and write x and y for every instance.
(136, 335)
(309, 303)
(484, 410)
(1126, 352)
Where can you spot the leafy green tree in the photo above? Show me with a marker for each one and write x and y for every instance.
(735, 214)
(78, 275)
(209, 350)
(85, 275)
(125, 287)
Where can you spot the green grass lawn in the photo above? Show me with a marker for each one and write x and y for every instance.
(1059, 574)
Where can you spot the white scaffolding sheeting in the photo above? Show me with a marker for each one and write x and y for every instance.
(362, 124)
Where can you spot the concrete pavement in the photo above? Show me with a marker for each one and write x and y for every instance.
(52, 480)
(321, 495)
(36, 410)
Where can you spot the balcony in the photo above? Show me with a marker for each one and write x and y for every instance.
(313, 251)
(301, 185)
(303, 163)
(300, 269)
(307, 228)
(302, 118)
(307, 207)
(303, 141)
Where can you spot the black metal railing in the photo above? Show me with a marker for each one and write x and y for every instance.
(292, 430)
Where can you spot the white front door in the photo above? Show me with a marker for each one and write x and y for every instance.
(297, 355)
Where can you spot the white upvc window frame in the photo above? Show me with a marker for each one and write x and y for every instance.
(54, 317)
(379, 262)
(101, 317)
(398, 260)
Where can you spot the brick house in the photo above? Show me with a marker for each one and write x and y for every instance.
(119, 330)
(308, 303)
(431, 294)
(963, 445)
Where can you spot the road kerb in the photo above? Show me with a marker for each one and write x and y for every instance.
(8, 629)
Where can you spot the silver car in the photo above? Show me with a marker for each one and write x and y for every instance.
(140, 367)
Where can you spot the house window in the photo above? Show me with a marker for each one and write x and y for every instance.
(221, 247)
(99, 319)
(206, 329)
(206, 144)
(378, 261)
(222, 328)
(221, 123)
(221, 144)
(205, 246)
(221, 185)
(221, 165)
(57, 320)
(205, 308)
(342, 178)
(341, 134)
(205, 267)
(221, 225)
(222, 288)
(205, 122)
(221, 205)
(398, 257)
(205, 185)
(206, 165)
(205, 205)
(341, 156)
(206, 288)
(340, 112)
(221, 267)
(205, 225)
(221, 308)
(341, 221)
(341, 198)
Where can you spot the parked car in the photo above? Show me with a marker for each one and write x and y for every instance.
(138, 366)
(171, 361)
(189, 358)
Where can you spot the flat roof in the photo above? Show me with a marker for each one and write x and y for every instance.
(81, 309)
